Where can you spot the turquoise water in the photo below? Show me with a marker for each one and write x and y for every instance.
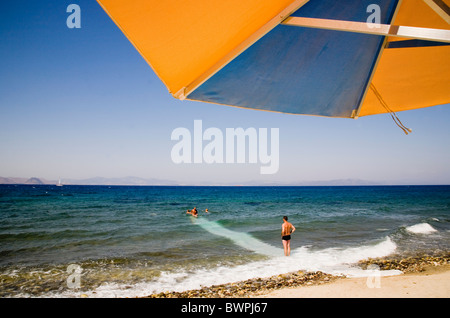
(133, 241)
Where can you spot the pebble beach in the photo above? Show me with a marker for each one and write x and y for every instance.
(296, 284)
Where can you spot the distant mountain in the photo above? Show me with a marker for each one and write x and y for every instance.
(118, 181)
(11, 180)
(338, 182)
(34, 181)
(252, 183)
(89, 181)
(4, 180)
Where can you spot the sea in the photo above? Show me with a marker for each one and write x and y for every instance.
(132, 241)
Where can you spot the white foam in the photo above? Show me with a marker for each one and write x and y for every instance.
(421, 228)
(336, 261)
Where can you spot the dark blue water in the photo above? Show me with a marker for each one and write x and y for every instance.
(131, 241)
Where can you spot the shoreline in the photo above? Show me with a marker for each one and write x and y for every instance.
(432, 282)
(423, 276)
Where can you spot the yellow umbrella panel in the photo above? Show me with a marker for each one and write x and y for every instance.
(412, 73)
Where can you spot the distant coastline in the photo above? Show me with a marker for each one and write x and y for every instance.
(138, 181)
(89, 181)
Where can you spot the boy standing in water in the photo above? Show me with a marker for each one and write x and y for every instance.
(286, 230)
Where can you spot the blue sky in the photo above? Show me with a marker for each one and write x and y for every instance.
(80, 103)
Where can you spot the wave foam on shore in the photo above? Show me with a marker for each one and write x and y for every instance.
(421, 228)
(334, 261)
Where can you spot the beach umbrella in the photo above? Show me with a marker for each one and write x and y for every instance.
(347, 58)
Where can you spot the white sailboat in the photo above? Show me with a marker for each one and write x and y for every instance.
(59, 184)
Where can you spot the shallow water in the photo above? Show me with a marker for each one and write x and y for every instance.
(133, 241)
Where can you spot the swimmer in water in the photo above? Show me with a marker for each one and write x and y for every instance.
(193, 212)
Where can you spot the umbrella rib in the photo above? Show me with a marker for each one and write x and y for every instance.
(440, 8)
(371, 28)
(357, 110)
(276, 20)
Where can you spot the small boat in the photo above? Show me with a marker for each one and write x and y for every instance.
(59, 184)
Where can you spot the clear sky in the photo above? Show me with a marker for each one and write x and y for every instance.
(80, 103)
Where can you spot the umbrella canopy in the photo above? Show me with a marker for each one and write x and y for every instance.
(317, 57)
